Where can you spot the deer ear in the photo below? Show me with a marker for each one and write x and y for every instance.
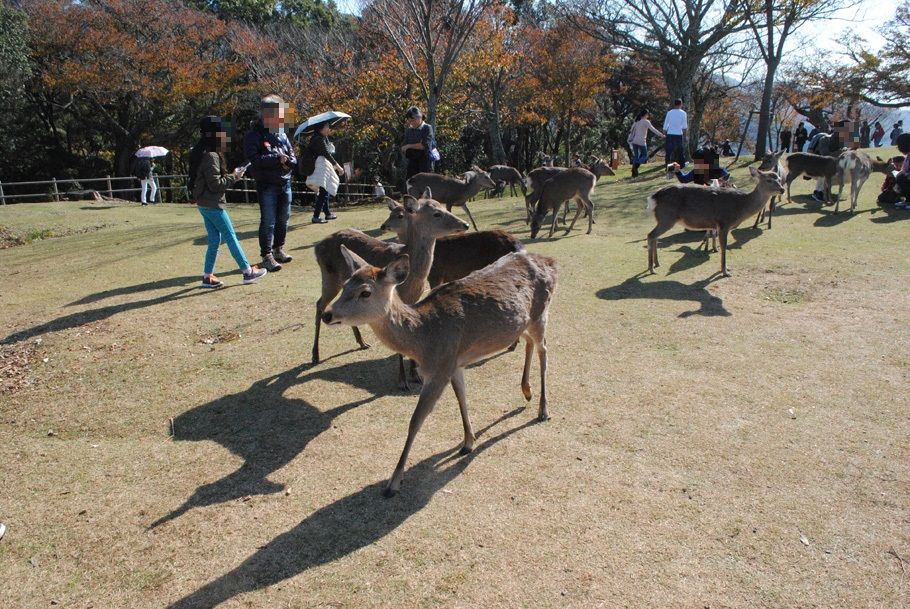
(396, 271)
(427, 193)
(391, 203)
(753, 172)
(354, 262)
(411, 205)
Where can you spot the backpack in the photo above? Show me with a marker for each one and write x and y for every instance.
(306, 162)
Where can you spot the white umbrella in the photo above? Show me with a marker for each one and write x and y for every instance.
(150, 152)
(330, 117)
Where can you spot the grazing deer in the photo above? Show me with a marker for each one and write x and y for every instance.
(538, 177)
(508, 175)
(812, 165)
(706, 208)
(574, 183)
(771, 162)
(859, 166)
(457, 324)
(427, 221)
(452, 192)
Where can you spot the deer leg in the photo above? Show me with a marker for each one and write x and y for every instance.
(359, 338)
(470, 216)
(525, 383)
(855, 192)
(771, 208)
(458, 386)
(723, 233)
(537, 331)
(580, 207)
(660, 229)
(565, 212)
(415, 375)
(402, 377)
(319, 311)
(790, 178)
(330, 288)
(429, 395)
(530, 202)
(589, 207)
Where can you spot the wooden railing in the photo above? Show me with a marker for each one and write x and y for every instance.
(243, 190)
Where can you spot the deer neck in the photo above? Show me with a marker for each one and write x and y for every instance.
(401, 328)
(756, 201)
(420, 249)
(473, 187)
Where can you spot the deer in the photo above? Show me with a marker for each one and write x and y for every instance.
(538, 177)
(812, 165)
(510, 176)
(771, 162)
(574, 183)
(427, 222)
(859, 166)
(707, 208)
(455, 325)
(452, 192)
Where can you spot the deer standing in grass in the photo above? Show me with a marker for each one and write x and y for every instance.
(574, 183)
(427, 221)
(771, 162)
(538, 177)
(452, 192)
(457, 324)
(508, 175)
(708, 208)
(812, 165)
(859, 166)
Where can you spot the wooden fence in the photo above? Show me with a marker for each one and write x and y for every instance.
(243, 190)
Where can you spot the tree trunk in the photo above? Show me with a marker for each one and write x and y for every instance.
(764, 112)
(496, 149)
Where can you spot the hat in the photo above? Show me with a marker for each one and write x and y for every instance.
(211, 124)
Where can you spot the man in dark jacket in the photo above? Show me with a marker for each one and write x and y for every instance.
(272, 161)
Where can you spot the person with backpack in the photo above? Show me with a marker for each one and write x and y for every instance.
(144, 171)
(322, 171)
(208, 179)
(272, 162)
(419, 146)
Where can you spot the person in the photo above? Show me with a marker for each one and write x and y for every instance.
(144, 170)
(326, 173)
(727, 148)
(864, 131)
(895, 132)
(902, 178)
(577, 161)
(676, 126)
(209, 180)
(800, 136)
(419, 141)
(706, 168)
(888, 195)
(272, 161)
(638, 139)
(785, 136)
(878, 135)
(378, 189)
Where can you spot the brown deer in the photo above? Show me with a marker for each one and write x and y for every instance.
(707, 208)
(457, 324)
(574, 183)
(859, 166)
(427, 222)
(538, 177)
(812, 165)
(508, 175)
(771, 162)
(452, 192)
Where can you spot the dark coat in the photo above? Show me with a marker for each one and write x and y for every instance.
(261, 149)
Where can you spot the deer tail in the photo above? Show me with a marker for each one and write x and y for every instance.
(652, 204)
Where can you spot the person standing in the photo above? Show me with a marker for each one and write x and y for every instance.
(895, 133)
(800, 136)
(326, 171)
(676, 126)
(272, 161)
(419, 141)
(638, 139)
(878, 135)
(785, 136)
(209, 179)
(864, 132)
(144, 171)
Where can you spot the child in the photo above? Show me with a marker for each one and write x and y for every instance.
(706, 170)
(326, 171)
(888, 195)
(209, 180)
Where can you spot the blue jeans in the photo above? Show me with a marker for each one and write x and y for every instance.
(675, 150)
(220, 230)
(639, 154)
(322, 203)
(274, 211)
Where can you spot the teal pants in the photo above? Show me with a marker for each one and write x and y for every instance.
(220, 230)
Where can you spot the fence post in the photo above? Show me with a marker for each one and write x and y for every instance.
(157, 191)
(2, 198)
(110, 191)
(56, 192)
(246, 191)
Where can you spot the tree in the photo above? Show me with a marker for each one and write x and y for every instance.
(14, 66)
(885, 76)
(771, 22)
(429, 36)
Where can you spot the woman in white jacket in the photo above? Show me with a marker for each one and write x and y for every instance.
(326, 172)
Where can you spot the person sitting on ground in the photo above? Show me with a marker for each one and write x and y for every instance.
(209, 180)
(889, 196)
(707, 168)
(902, 178)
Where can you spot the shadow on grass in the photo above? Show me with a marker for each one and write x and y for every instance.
(93, 207)
(345, 526)
(267, 429)
(74, 320)
(709, 304)
(170, 282)
(892, 214)
(834, 219)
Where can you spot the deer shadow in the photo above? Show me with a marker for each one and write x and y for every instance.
(709, 304)
(345, 526)
(74, 320)
(266, 429)
(831, 219)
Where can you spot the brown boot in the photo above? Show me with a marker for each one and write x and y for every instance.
(270, 264)
(280, 256)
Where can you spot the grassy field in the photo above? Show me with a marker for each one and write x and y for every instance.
(723, 443)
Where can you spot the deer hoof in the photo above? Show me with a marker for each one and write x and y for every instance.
(466, 450)
(543, 417)
(315, 359)
(526, 391)
(364, 346)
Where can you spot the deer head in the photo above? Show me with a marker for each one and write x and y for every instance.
(366, 294)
